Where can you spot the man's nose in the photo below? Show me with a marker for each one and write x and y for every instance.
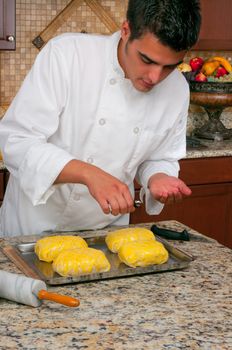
(155, 74)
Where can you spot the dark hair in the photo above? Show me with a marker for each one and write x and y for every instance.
(176, 23)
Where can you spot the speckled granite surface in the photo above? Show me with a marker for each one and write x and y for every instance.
(212, 149)
(185, 309)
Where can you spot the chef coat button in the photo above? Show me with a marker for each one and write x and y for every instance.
(112, 81)
(90, 160)
(102, 121)
(136, 130)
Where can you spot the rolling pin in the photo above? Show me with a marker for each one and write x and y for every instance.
(29, 291)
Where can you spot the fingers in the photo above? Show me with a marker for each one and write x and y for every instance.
(176, 198)
(173, 196)
(162, 199)
(184, 189)
(130, 202)
(115, 207)
(112, 195)
(121, 204)
(168, 189)
(106, 207)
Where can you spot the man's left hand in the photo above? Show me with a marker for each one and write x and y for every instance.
(167, 189)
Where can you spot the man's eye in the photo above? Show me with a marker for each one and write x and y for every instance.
(146, 60)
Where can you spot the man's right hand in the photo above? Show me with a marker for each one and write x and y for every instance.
(112, 195)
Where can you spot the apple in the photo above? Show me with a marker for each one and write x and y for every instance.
(220, 72)
(196, 63)
(200, 77)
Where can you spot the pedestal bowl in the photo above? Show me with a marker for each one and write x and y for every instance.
(214, 97)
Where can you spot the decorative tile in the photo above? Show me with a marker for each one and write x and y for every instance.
(32, 17)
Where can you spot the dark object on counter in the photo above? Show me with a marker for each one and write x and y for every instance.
(170, 234)
(193, 143)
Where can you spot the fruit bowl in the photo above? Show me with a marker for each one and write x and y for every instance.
(211, 87)
(214, 97)
(210, 83)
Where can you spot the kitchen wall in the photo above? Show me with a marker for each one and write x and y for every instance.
(32, 17)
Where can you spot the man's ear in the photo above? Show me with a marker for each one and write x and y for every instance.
(125, 30)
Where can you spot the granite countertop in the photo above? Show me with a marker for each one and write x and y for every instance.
(184, 309)
(211, 149)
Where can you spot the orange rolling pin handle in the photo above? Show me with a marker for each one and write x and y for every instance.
(58, 298)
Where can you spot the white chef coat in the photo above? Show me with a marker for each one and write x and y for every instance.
(76, 103)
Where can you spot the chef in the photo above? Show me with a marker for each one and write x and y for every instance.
(94, 113)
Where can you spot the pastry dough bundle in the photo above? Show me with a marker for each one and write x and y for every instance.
(116, 239)
(136, 247)
(71, 255)
(143, 253)
(48, 248)
(79, 261)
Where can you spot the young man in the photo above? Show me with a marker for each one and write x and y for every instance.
(94, 113)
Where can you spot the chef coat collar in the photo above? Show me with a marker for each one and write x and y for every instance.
(114, 54)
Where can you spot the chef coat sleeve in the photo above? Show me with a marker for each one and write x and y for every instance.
(164, 159)
(29, 122)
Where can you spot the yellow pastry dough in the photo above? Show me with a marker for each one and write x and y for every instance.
(143, 253)
(75, 262)
(116, 239)
(48, 248)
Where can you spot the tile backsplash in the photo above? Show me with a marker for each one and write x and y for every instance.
(32, 17)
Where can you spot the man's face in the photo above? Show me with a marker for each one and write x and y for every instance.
(146, 61)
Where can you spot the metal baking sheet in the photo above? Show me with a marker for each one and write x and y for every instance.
(178, 259)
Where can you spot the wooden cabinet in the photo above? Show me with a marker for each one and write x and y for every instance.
(209, 208)
(7, 24)
(216, 33)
